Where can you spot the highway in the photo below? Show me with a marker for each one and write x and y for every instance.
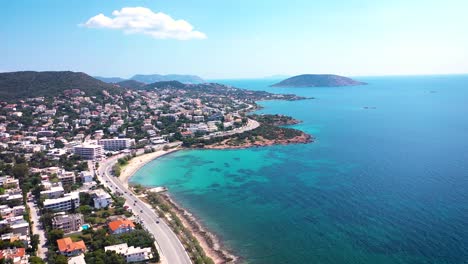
(167, 243)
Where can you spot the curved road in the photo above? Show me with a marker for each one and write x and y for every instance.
(167, 243)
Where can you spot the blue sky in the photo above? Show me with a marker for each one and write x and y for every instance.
(236, 38)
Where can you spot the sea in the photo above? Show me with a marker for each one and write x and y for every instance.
(386, 180)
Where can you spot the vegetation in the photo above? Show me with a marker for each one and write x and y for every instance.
(274, 120)
(16, 85)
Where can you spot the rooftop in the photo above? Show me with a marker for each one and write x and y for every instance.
(67, 245)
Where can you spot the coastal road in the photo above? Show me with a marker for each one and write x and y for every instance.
(168, 244)
(251, 125)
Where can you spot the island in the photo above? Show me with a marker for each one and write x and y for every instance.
(318, 80)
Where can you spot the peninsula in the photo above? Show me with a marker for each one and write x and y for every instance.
(318, 80)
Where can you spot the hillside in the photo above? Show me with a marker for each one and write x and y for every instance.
(317, 80)
(152, 78)
(131, 84)
(18, 85)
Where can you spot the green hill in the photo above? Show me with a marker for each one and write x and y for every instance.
(18, 85)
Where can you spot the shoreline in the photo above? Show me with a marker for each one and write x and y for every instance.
(138, 162)
(209, 242)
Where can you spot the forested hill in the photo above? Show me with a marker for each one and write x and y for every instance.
(23, 84)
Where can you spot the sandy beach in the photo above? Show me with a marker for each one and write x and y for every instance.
(139, 161)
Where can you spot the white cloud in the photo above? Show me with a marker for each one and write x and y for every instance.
(134, 20)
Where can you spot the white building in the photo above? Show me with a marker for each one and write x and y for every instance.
(131, 254)
(77, 259)
(114, 144)
(53, 193)
(101, 199)
(86, 176)
(89, 152)
(66, 203)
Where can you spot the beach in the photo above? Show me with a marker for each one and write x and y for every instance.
(139, 161)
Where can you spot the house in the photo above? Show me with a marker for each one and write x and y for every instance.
(20, 228)
(86, 176)
(67, 177)
(121, 226)
(131, 254)
(9, 182)
(101, 199)
(69, 248)
(16, 255)
(53, 192)
(12, 237)
(67, 222)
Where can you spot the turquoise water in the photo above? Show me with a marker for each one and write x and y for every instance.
(383, 185)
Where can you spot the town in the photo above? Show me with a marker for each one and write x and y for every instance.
(57, 204)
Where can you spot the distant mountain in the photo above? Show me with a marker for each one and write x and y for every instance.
(152, 78)
(17, 85)
(317, 80)
(109, 79)
(131, 84)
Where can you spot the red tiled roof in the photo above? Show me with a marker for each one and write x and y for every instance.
(12, 253)
(114, 225)
(67, 245)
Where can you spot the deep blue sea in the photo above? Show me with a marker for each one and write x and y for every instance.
(386, 184)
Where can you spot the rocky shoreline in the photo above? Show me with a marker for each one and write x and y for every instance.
(208, 241)
(302, 139)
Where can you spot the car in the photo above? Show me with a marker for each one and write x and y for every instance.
(141, 211)
(157, 221)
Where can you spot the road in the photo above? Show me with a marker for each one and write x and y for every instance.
(169, 246)
(38, 230)
(251, 125)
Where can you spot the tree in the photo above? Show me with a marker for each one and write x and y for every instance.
(58, 143)
(34, 241)
(54, 235)
(20, 171)
(85, 198)
(36, 260)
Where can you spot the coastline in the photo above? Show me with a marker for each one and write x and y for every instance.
(210, 244)
(138, 162)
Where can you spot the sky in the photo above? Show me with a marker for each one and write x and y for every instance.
(219, 39)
